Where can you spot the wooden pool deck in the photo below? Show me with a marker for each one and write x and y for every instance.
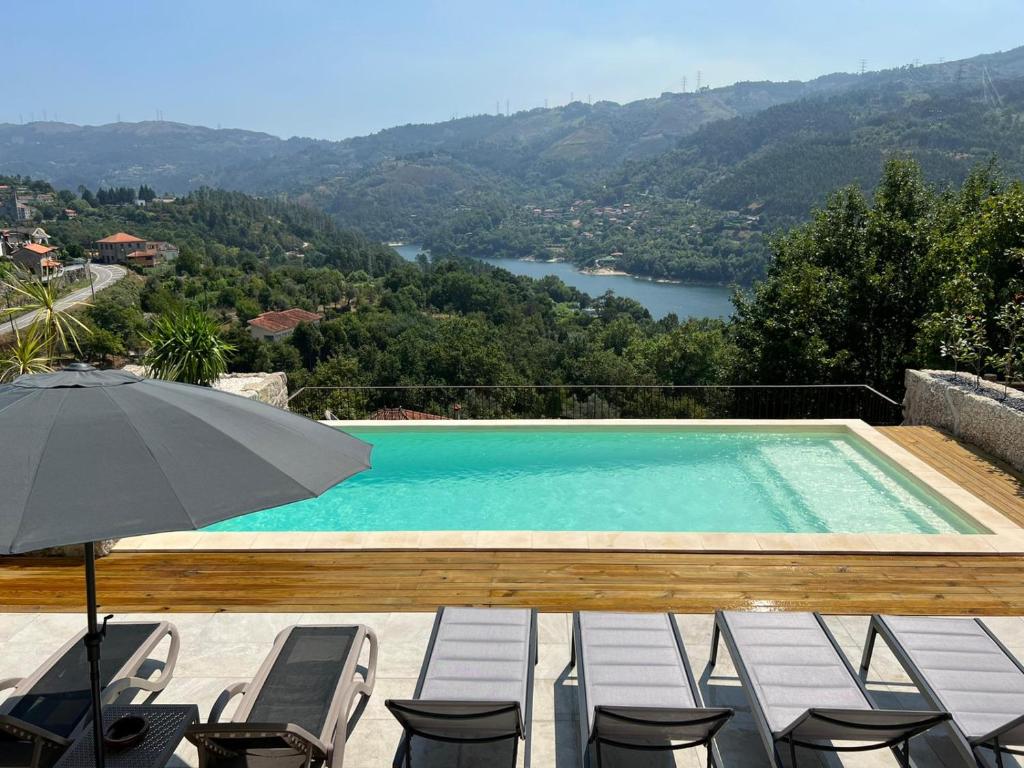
(393, 580)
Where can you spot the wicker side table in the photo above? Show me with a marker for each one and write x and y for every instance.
(167, 726)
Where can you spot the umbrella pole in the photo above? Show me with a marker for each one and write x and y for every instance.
(93, 638)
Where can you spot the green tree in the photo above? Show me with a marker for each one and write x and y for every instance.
(58, 327)
(28, 354)
(187, 346)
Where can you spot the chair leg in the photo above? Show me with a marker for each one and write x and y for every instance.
(903, 754)
(869, 649)
(715, 637)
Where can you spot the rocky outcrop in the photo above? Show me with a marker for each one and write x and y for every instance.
(269, 388)
(102, 549)
(979, 418)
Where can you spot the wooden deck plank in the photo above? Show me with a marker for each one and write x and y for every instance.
(991, 480)
(552, 581)
(393, 580)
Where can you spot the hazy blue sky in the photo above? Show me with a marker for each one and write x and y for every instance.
(343, 68)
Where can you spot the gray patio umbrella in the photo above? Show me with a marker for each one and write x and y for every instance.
(97, 455)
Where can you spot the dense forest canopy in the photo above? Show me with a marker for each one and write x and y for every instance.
(864, 289)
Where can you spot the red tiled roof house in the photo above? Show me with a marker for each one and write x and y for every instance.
(123, 248)
(37, 259)
(115, 248)
(274, 326)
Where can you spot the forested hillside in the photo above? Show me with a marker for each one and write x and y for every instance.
(704, 210)
(683, 186)
(229, 228)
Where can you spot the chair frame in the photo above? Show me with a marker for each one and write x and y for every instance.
(900, 746)
(47, 746)
(315, 749)
(716, 718)
(524, 720)
(967, 747)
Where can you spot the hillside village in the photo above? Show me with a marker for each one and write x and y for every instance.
(26, 206)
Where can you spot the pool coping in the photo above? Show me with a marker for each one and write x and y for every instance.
(1002, 535)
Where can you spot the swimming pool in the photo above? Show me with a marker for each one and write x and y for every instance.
(620, 479)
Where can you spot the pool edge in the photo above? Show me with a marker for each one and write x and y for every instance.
(1001, 535)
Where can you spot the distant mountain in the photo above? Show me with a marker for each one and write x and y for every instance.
(562, 143)
(702, 211)
(768, 149)
(783, 160)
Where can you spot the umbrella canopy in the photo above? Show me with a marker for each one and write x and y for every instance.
(105, 454)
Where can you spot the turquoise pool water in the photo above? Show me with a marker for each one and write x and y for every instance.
(587, 479)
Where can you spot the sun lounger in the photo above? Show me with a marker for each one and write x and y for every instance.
(48, 710)
(635, 687)
(803, 691)
(295, 712)
(960, 667)
(476, 682)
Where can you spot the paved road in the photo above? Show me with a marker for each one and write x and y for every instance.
(105, 276)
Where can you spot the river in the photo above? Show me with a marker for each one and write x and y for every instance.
(660, 299)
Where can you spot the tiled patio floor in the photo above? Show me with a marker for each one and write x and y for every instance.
(218, 649)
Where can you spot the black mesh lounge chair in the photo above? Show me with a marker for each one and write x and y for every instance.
(48, 710)
(804, 693)
(476, 682)
(295, 712)
(961, 667)
(636, 688)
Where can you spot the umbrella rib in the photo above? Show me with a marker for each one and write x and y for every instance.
(14, 402)
(39, 465)
(253, 453)
(142, 440)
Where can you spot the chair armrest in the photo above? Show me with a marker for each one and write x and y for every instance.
(29, 732)
(229, 737)
(172, 661)
(117, 687)
(370, 679)
(365, 688)
(236, 689)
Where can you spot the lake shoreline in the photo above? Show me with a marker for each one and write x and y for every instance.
(660, 296)
(608, 272)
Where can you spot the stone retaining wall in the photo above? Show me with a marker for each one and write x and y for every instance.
(269, 388)
(974, 418)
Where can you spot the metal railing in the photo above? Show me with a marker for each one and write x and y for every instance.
(587, 401)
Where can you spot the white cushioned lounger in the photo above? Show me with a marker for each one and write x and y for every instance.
(961, 667)
(635, 686)
(476, 682)
(803, 691)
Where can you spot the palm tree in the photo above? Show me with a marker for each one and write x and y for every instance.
(186, 346)
(27, 355)
(58, 325)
